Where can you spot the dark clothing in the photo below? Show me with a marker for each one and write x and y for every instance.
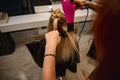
(17, 7)
(37, 50)
(92, 50)
(7, 44)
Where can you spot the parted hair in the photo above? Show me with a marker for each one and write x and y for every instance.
(68, 45)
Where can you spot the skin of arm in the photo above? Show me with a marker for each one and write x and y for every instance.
(52, 40)
(92, 5)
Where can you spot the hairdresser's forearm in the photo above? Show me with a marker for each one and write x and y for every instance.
(49, 72)
(93, 5)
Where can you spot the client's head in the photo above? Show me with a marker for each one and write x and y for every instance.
(57, 21)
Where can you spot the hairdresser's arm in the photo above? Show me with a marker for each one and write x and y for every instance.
(93, 5)
(52, 40)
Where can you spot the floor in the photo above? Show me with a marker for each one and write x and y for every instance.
(21, 66)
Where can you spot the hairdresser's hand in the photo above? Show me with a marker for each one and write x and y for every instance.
(69, 10)
(52, 40)
(81, 2)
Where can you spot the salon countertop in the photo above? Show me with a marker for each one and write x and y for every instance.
(40, 18)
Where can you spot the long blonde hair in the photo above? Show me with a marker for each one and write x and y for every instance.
(68, 45)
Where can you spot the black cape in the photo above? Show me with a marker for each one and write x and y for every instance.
(37, 50)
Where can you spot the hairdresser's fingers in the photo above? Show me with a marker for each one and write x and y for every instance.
(81, 2)
(53, 38)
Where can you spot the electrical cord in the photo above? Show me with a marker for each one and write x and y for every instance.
(29, 5)
(83, 25)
